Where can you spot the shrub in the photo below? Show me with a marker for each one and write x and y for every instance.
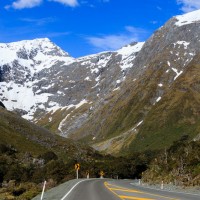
(48, 156)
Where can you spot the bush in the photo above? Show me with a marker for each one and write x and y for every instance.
(5, 149)
(14, 173)
(18, 191)
(48, 156)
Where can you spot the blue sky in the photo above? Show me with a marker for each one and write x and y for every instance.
(83, 27)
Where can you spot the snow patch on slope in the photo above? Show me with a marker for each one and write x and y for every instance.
(184, 43)
(62, 123)
(177, 73)
(128, 54)
(22, 97)
(130, 49)
(189, 18)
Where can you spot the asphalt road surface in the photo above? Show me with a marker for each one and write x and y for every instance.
(102, 189)
(109, 189)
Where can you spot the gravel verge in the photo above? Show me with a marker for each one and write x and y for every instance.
(58, 192)
(169, 187)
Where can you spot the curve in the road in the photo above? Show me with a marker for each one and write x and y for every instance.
(71, 190)
(110, 189)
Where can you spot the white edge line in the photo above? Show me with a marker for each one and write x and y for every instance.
(165, 190)
(72, 189)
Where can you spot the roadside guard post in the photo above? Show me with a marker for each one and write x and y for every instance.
(77, 167)
(162, 185)
(88, 174)
(43, 189)
(101, 174)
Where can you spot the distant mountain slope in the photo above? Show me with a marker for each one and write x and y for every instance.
(27, 137)
(46, 85)
(139, 97)
(145, 112)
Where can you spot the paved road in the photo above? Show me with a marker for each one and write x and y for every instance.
(125, 190)
(116, 190)
(107, 189)
(91, 190)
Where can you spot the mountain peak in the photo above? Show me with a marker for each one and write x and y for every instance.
(188, 18)
(32, 52)
(39, 45)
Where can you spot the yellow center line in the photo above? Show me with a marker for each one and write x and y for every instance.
(117, 188)
(156, 195)
(126, 190)
(106, 185)
(135, 198)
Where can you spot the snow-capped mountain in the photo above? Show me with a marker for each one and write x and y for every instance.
(38, 78)
(159, 101)
(21, 64)
(112, 100)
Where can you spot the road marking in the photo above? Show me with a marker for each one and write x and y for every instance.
(116, 186)
(157, 195)
(106, 185)
(135, 198)
(113, 188)
(165, 190)
(124, 189)
(72, 189)
(127, 190)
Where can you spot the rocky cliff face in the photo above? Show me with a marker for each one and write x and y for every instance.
(38, 79)
(157, 103)
(114, 100)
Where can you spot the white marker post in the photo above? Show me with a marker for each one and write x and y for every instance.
(77, 174)
(88, 175)
(43, 190)
(139, 182)
(162, 185)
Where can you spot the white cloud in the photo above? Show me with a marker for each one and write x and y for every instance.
(116, 41)
(20, 4)
(72, 3)
(135, 30)
(189, 5)
(109, 42)
(154, 22)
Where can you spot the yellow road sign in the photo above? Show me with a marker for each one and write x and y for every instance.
(77, 166)
(101, 173)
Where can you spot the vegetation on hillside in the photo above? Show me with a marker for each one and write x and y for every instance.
(30, 154)
(22, 174)
(179, 164)
(176, 114)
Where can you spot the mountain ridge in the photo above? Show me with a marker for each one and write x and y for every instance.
(105, 98)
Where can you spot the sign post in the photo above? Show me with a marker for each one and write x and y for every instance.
(77, 167)
(101, 174)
